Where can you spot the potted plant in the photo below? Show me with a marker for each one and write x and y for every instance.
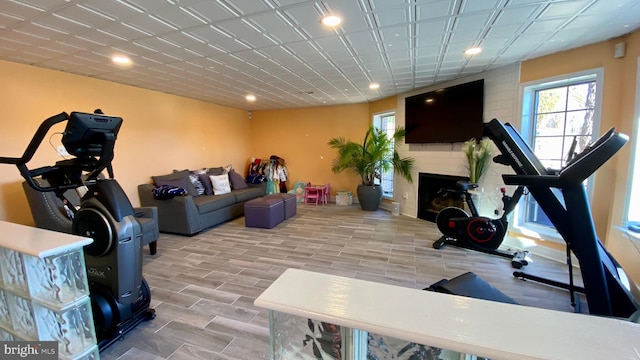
(478, 156)
(369, 160)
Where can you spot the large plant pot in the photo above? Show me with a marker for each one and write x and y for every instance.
(369, 197)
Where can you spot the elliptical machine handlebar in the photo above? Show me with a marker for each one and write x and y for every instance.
(35, 142)
(86, 136)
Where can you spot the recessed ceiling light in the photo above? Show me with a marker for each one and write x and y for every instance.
(331, 20)
(472, 51)
(250, 97)
(121, 60)
(374, 86)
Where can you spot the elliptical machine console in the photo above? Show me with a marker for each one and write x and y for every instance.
(120, 296)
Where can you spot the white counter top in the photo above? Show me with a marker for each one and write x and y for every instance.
(484, 328)
(38, 242)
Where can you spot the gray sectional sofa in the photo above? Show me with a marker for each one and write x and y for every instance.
(195, 212)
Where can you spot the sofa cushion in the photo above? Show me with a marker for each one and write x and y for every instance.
(183, 174)
(237, 181)
(220, 184)
(210, 203)
(243, 195)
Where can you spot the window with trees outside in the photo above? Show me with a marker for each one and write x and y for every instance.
(555, 114)
(387, 123)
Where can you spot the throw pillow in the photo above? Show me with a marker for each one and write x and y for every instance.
(204, 179)
(216, 171)
(180, 183)
(220, 184)
(237, 182)
(195, 180)
(183, 174)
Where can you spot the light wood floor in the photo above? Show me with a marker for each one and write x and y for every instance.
(203, 287)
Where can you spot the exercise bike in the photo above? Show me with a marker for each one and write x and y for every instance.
(120, 297)
(477, 232)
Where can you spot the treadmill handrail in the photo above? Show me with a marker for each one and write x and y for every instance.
(593, 157)
(514, 150)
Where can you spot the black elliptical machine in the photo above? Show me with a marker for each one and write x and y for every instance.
(475, 232)
(120, 296)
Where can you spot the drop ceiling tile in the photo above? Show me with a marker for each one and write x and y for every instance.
(479, 6)
(184, 39)
(218, 39)
(434, 9)
(22, 9)
(275, 27)
(545, 26)
(333, 46)
(244, 32)
(392, 34)
(86, 15)
(113, 9)
(430, 32)
(565, 8)
(23, 37)
(63, 24)
(247, 7)
(62, 48)
(352, 13)
(391, 17)
(399, 54)
(307, 18)
(470, 26)
(39, 31)
(514, 17)
(504, 31)
(210, 10)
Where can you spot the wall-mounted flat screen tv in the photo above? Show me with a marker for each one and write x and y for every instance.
(447, 115)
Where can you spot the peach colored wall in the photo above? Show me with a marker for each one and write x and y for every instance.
(300, 137)
(382, 105)
(617, 111)
(160, 132)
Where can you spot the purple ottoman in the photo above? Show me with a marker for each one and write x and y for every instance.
(290, 206)
(266, 212)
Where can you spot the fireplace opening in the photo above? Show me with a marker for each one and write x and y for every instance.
(432, 194)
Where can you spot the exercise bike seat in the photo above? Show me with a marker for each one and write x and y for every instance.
(465, 185)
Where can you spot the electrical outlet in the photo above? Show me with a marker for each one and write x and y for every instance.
(405, 196)
(62, 151)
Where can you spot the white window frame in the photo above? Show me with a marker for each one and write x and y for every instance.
(528, 92)
(388, 177)
(633, 182)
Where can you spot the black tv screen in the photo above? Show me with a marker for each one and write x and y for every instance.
(448, 115)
